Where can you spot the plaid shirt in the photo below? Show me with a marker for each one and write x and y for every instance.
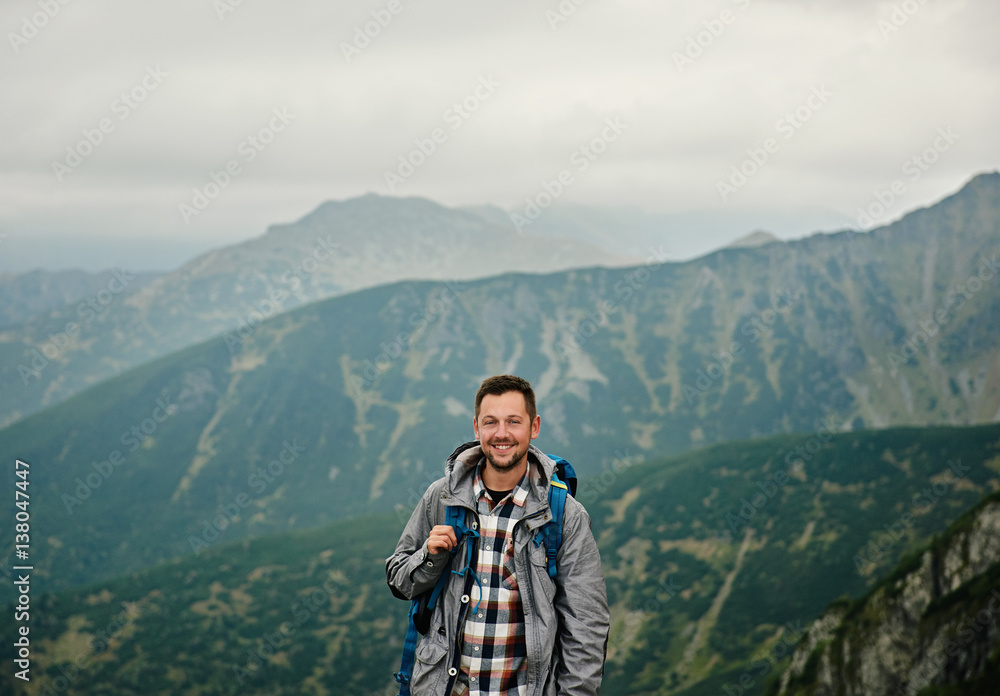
(493, 649)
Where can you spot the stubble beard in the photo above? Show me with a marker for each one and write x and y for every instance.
(517, 456)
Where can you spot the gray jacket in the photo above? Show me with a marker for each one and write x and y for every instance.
(566, 619)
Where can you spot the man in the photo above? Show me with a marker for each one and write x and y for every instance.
(508, 629)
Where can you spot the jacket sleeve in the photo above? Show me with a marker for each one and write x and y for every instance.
(411, 569)
(581, 604)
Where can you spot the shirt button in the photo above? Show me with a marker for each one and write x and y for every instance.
(487, 548)
(480, 616)
(477, 648)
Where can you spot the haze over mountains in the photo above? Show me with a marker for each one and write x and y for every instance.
(340, 247)
(649, 360)
(206, 409)
(681, 236)
(372, 240)
(26, 295)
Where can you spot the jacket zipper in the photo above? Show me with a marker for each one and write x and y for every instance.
(460, 630)
(464, 609)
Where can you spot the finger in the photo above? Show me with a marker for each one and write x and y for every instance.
(441, 538)
(444, 532)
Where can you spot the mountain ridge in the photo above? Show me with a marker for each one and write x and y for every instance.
(655, 359)
(337, 248)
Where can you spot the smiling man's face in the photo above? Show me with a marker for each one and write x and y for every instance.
(504, 430)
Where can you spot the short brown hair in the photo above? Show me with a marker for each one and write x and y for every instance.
(501, 384)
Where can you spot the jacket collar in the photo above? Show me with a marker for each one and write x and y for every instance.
(460, 472)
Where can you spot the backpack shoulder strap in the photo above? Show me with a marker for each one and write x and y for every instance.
(553, 530)
(422, 607)
(562, 483)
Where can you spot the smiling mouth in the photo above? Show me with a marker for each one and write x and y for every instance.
(503, 448)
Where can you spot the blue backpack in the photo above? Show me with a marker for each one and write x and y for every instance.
(563, 481)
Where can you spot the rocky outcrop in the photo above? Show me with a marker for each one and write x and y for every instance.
(933, 624)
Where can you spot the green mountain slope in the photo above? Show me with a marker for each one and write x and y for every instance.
(699, 599)
(932, 627)
(328, 411)
(724, 558)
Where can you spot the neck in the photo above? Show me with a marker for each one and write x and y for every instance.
(504, 480)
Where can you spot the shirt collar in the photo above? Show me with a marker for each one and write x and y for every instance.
(518, 496)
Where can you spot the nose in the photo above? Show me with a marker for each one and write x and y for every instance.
(501, 431)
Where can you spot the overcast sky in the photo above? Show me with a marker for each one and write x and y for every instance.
(837, 95)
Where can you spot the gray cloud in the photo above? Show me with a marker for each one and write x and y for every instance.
(686, 127)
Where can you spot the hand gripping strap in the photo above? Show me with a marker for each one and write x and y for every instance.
(422, 607)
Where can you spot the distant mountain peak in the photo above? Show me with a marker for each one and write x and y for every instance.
(754, 239)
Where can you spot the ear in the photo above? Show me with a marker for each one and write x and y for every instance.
(475, 427)
(536, 425)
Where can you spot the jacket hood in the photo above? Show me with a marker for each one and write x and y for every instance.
(460, 472)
